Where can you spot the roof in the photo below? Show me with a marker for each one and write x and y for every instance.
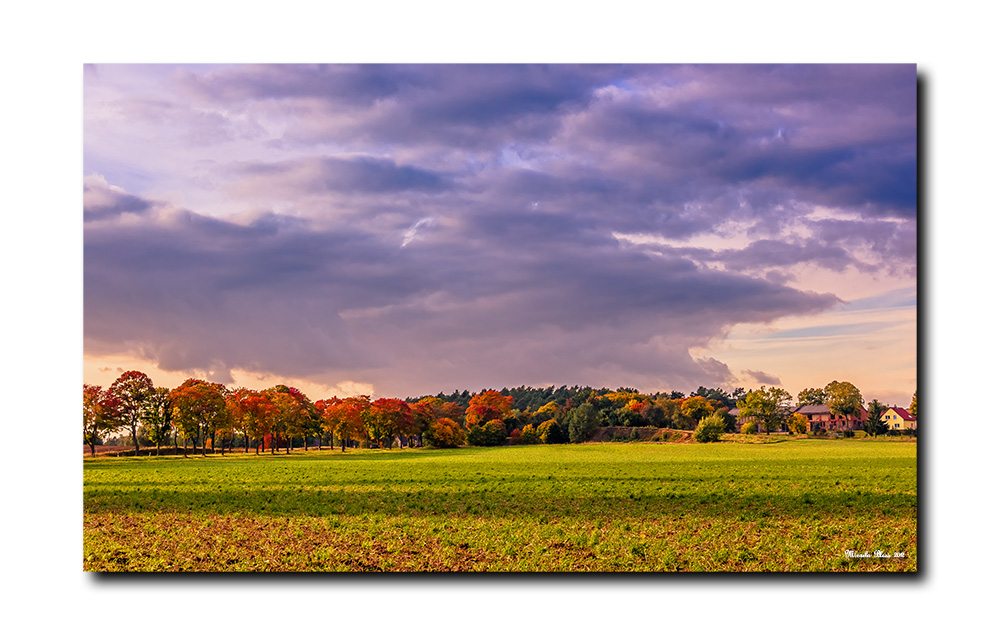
(903, 414)
(813, 410)
(825, 410)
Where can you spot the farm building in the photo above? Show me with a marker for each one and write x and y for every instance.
(820, 418)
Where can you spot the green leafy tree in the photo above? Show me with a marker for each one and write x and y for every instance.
(844, 399)
(811, 397)
(582, 423)
(133, 390)
(729, 421)
(710, 429)
(654, 415)
(874, 425)
(913, 406)
(158, 417)
(767, 407)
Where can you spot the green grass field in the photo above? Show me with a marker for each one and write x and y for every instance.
(796, 505)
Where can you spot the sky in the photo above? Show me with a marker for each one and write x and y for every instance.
(401, 230)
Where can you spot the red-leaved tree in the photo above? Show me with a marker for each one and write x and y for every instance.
(487, 406)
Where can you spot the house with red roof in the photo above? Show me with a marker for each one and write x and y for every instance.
(899, 419)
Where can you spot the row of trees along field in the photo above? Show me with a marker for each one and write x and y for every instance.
(210, 414)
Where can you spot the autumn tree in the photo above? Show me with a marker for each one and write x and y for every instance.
(697, 408)
(348, 419)
(487, 406)
(798, 423)
(425, 412)
(874, 425)
(133, 390)
(100, 414)
(844, 399)
(767, 407)
(530, 436)
(325, 422)
(251, 412)
(199, 409)
(445, 433)
(389, 418)
(287, 420)
(913, 406)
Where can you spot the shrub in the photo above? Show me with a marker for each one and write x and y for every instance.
(798, 423)
(529, 436)
(548, 432)
(444, 433)
(710, 429)
(750, 427)
(515, 436)
(490, 433)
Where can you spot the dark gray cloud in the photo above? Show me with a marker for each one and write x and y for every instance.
(334, 174)
(194, 292)
(432, 226)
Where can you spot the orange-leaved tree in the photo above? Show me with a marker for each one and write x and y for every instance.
(487, 406)
(389, 418)
(348, 419)
(326, 422)
(445, 433)
(199, 409)
(251, 412)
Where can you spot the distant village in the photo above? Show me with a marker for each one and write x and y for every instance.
(821, 419)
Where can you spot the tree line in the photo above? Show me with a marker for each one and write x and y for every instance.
(207, 413)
